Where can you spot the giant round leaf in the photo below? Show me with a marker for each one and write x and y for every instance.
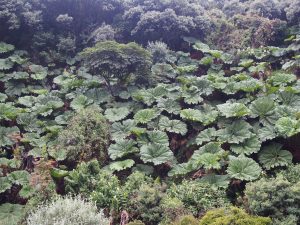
(273, 156)
(116, 114)
(243, 168)
(156, 153)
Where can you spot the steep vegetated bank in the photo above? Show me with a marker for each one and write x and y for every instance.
(195, 122)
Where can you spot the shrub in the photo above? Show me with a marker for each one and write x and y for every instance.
(274, 197)
(198, 197)
(173, 209)
(67, 211)
(144, 203)
(292, 173)
(83, 179)
(232, 216)
(108, 192)
(99, 185)
(159, 51)
(86, 137)
(186, 220)
(136, 180)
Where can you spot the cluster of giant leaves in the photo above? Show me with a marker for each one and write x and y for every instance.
(35, 104)
(233, 117)
(227, 115)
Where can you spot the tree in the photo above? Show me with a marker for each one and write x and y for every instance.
(116, 62)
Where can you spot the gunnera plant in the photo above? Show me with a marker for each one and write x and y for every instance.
(86, 137)
(67, 211)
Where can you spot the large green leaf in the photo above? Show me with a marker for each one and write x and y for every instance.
(281, 78)
(154, 137)
(27, 101)
(216, 181)
(262, 106)
(5, 184)
(200, 46)
(98, 95)
(287, 126)
(8, 111)
(19, 177)
(14, 88)
(156, 153)
(247, 147)
(243, 168)
(273, 156)
(206, 135)
(3, 97)
(205, 116)
(6, 64)
(174, 126)
(121, 165)
(266, 132)
(181, 169)
(163, 70)
(12, 214)
(6, 135)
(116, 114)
(4, 47)
(249, 85)
(145, 115)
(233, 109)
(290, 99)
(122, 148)
(211, 147)
(123, 129)
(191, 114)
(246, 63)
(191, 95)
(80, 102)
(169, 106)
(235, 133)
(38, 72)
(207, 161)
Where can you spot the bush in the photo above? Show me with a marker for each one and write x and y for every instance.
(198, 197)
(186, 220)
(86, 137)
(292, 173)
(274, 197)
(67, 211)
(136, 180)
(108, 192)
(232, 216)
(145, 203)
(83, 179)
(159, 51)
(173, 208)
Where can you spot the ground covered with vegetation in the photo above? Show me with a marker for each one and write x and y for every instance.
(134, 112)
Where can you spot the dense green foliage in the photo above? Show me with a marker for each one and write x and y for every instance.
(276, 197)
(118, 63)
(232, 216)
(157, 112)
(198, 197)
(86, 137)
